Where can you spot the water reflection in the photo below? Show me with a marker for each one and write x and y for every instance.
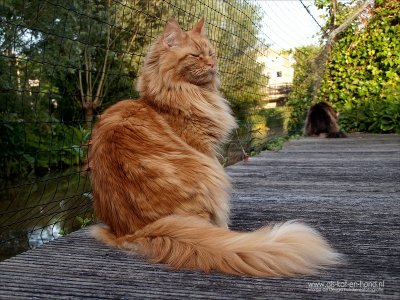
(39, 236)
(36, 210)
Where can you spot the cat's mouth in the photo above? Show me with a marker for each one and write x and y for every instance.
(202, 76)
(209, 75)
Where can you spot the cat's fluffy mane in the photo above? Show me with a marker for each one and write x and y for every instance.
(156, 181)
(163, 86)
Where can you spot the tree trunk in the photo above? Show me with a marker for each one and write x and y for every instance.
(89, 116)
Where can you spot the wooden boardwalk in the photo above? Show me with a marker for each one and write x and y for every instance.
(349, 189)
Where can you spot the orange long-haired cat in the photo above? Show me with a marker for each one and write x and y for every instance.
(157, 183)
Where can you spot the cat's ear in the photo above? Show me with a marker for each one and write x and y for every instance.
(172, 33)
(200, 27)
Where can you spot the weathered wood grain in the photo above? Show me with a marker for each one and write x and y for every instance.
(349, 189)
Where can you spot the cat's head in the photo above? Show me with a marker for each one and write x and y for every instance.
(185, 55)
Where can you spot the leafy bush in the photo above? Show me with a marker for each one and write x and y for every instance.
(27, 147)
(371, 116)
(362, 79)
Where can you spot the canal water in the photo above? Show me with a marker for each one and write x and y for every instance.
(35, 210)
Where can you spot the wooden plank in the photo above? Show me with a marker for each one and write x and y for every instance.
(346, 188)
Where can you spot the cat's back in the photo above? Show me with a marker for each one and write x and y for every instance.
(120, 112)
(127, 125)
(131, 115)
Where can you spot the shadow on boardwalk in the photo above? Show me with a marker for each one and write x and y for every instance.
(348, 189)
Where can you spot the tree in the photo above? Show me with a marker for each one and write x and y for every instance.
(336, 11)
(83, 50)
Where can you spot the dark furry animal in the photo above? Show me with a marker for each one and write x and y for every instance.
(322, 120)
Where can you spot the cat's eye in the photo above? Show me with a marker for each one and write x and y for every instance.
(194, 55)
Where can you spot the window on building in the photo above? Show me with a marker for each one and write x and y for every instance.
(279, 74)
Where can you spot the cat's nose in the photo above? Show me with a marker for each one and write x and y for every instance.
(210, 63)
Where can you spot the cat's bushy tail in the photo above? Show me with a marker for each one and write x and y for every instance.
(191, 242)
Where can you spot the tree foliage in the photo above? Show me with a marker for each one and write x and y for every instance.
(86, 55)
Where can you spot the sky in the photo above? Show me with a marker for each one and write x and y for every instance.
(287, 23)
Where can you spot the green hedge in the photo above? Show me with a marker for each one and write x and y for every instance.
(362, 79)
